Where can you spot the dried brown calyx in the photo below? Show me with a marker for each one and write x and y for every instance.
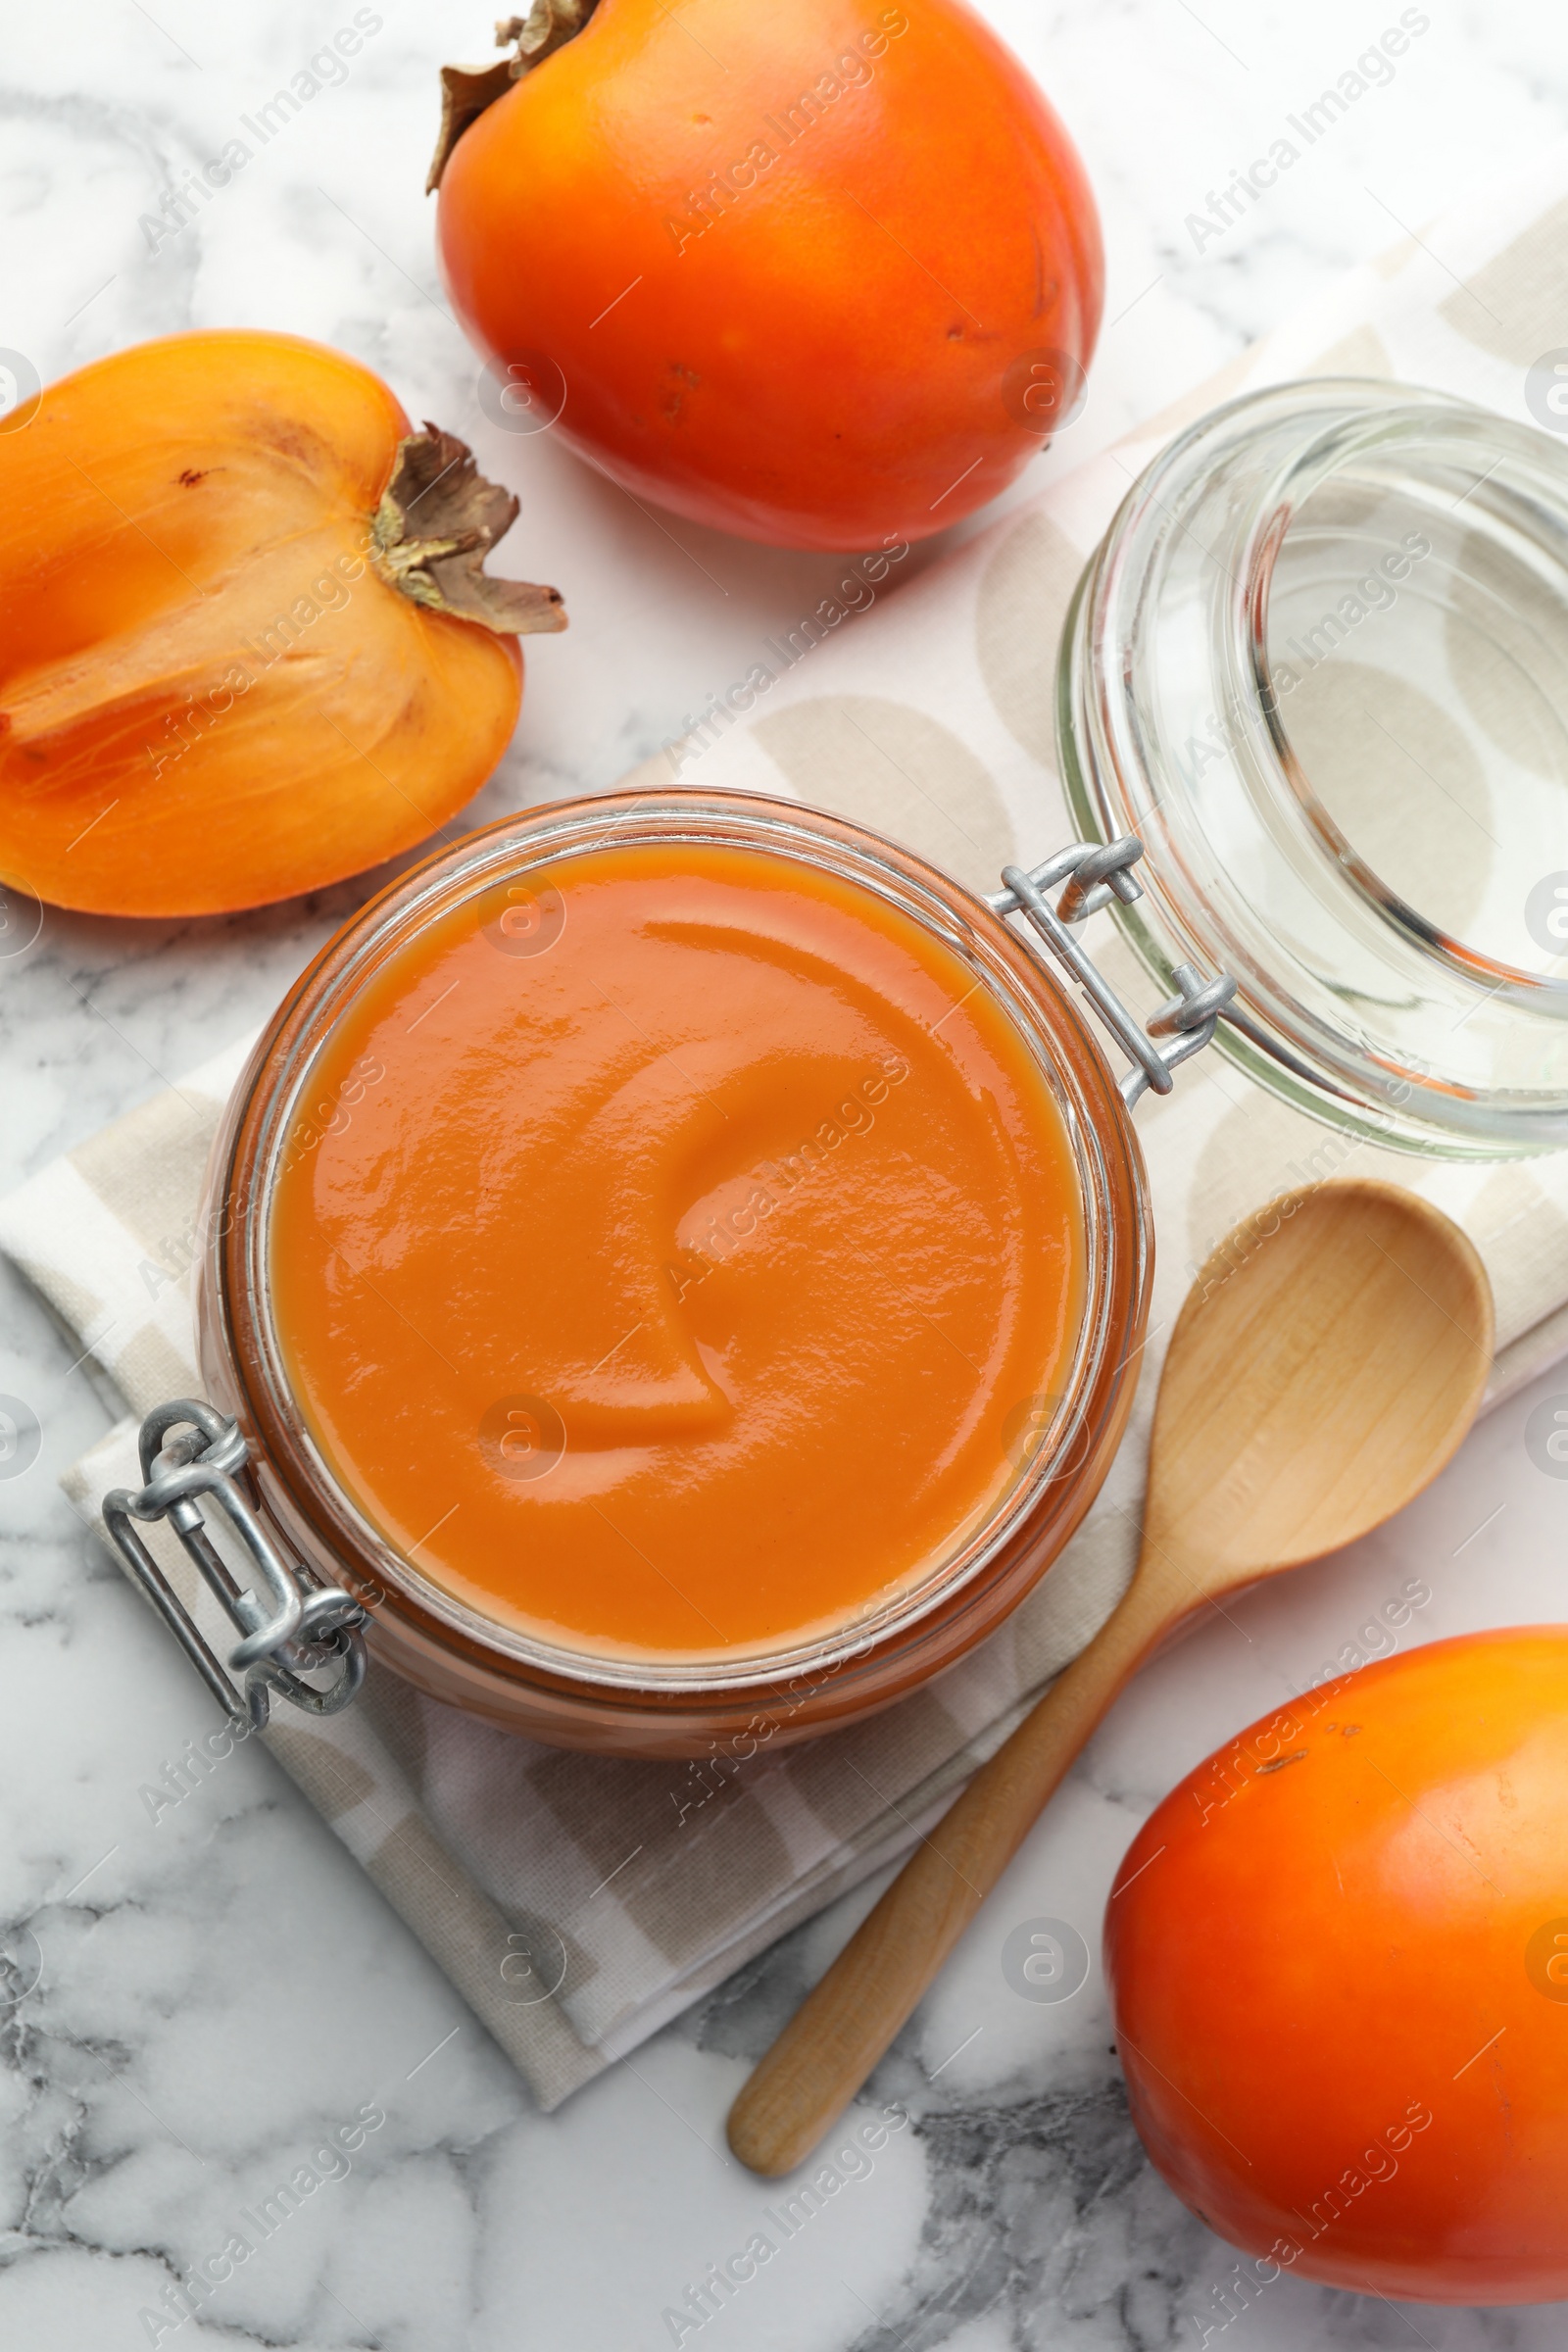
(437, 522)
(465, 93)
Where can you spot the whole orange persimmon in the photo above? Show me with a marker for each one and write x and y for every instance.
(247, 642)
(1339, 1958)
(823, 272)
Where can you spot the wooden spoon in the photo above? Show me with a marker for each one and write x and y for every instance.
(1327, 1362)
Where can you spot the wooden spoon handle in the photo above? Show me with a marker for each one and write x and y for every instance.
(841, 2028)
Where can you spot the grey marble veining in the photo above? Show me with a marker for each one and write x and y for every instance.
(197, 2007)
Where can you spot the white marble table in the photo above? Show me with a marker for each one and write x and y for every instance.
(216, 1994)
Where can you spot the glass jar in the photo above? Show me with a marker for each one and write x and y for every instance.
(263, 1467)
(1319, 665)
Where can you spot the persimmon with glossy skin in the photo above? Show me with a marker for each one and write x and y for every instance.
(246, 643)
(813, 272)
(1338, 1961)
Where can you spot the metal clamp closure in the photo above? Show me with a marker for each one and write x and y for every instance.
(1094, 874)
(292, 1626)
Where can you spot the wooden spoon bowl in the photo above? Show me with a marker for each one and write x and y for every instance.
(1328, 1361)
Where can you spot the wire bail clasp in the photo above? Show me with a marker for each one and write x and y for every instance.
(1095, 873)
(292, 1626)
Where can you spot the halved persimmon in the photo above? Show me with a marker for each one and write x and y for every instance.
(247, 644)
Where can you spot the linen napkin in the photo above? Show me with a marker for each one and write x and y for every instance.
(578, 1902)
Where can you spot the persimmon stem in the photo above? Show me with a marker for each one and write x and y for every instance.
(437, 522)
(466, 91)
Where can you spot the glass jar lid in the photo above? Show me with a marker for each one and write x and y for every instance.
(1319, 663)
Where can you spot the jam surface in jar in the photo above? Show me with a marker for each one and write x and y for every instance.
(674, 1253)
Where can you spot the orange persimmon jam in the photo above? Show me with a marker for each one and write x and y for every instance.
(671, 1250)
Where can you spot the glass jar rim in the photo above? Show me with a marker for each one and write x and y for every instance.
(238, 1292)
